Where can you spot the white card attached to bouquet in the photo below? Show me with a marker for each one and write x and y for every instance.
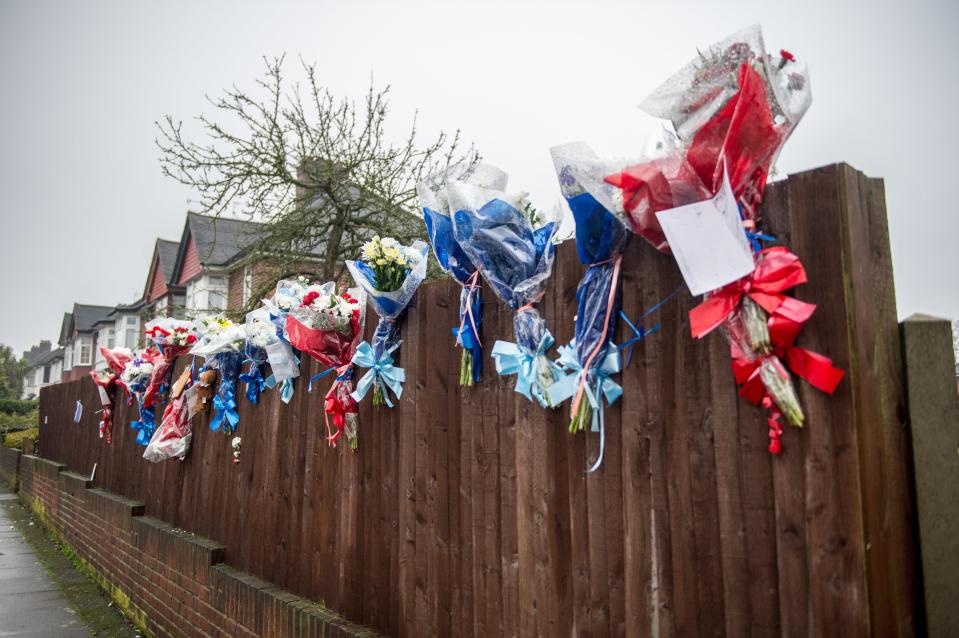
(708, 241)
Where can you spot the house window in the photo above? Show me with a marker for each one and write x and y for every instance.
(85, 350)
(193, 296)
(68, 358)
(38, 376)
(162, 303)
(247, 284)
(46, 374)
(218, 287)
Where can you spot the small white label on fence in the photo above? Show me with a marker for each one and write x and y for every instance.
(78, 413)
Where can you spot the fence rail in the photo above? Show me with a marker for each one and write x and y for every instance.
(468, 512)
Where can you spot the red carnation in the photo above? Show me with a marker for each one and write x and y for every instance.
(310, 297)
(787, 55)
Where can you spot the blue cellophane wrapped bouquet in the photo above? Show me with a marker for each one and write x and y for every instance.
(515, 257)
(453, 259)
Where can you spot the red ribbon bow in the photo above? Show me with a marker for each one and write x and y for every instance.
(776, 271)
(815, 368)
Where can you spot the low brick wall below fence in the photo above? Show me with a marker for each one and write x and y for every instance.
(9, 466)
(168, 581)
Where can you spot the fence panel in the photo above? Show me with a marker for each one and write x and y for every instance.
(467, 511)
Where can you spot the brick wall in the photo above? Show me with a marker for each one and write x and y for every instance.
(9, 465)
(168, 581)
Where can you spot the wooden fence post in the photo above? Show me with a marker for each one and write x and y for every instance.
(934, 424)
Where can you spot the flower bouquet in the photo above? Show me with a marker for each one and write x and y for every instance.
(452, 259)
(284, 362)
(389, 273)
(221, 343)
(135, 377)
(328, 326)
(496, 232)
(733, 108)
(106, 382)
(260, 332)
(172, 337)
(601, 237)
(172, 438)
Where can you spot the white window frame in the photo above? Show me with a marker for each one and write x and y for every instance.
(85, 340)
(247, 284)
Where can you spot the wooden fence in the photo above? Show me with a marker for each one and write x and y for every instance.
(468, 512)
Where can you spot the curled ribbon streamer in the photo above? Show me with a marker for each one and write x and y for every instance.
(777, 271)
(511, 359)
(224, 407)
(381, 369)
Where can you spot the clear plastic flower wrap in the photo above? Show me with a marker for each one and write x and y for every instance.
(333, 345)
(733, 108)
(515, 258)
(284, 360)
(172, 338)
(221, 343)
(592, 358)
(389, 274)
(174, 434)
(453, 260)
(106, 382)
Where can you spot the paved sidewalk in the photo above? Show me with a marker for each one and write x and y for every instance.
(37, 602)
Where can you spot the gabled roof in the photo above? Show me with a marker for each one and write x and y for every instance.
(167, 250)
(218, 241)
(84, 316)
(164, 261)
(66, 328)
(37, 352)
(48, 357)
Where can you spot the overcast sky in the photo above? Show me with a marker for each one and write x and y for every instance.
(83, 82)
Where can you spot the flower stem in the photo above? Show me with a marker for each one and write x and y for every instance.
(581, 417)
(466, 368)
(378, 393)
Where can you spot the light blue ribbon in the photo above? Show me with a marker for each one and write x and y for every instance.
(511, 359)
(381, 369)
(286, 387)
(599, 385)
(225, 408)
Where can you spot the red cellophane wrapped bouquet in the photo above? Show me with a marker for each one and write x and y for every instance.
(172, 338)
(106, 382)
(328, 326)
(732, 109)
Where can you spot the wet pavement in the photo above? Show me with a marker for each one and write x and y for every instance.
(41, 592)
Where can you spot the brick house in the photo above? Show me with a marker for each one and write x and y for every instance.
(217, 269)
(45, 368)
(78, 337)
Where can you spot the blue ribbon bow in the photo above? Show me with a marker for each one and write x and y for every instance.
(255, 383)
(599, 385)
(511, 359)
(145, 426)
(224, 407)
(381, 370)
